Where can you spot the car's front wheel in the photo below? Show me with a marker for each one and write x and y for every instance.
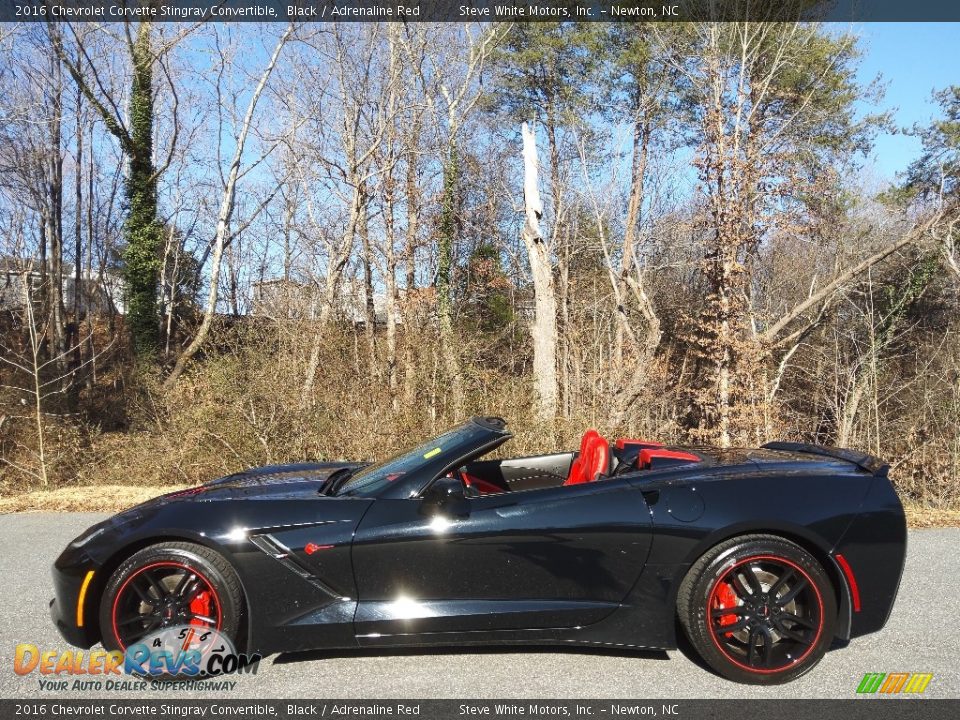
(758, 609)
(168, 585)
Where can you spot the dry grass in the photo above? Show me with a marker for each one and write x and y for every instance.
(113, 498)
(926, 517)
(89, 498)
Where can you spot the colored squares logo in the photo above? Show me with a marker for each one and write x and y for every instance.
(894, 683)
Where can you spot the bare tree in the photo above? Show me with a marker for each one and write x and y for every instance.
(544, 328)
(452, 78)
(38, 376)
(224, 231)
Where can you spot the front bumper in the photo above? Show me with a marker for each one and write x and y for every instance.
(79, 626)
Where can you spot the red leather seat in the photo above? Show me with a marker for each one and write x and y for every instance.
(592, 461)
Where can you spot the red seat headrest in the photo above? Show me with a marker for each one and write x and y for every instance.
(588, 437)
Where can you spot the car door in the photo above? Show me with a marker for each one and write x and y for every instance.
(545, 558)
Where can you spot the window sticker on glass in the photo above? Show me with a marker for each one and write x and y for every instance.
(432, 453)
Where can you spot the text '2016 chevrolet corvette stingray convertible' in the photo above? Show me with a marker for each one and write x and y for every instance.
(764, 556)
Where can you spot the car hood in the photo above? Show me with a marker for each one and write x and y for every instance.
(271, 482)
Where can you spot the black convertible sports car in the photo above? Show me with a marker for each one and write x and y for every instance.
(763, 556)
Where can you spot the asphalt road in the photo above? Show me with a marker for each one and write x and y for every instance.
(922, 636)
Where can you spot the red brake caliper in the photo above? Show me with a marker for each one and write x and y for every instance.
(200, 605)
(726, 597)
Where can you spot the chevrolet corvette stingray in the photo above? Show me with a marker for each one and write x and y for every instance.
(762, 557)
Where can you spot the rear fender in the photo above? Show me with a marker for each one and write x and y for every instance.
(874, 548)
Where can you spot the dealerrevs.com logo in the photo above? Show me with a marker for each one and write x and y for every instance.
(900, 683)
(180, 653)
(187, 652)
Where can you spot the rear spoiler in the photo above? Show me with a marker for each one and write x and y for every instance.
(871, 464)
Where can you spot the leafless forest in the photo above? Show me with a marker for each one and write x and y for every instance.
(224, 246)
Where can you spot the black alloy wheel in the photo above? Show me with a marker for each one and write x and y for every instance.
(758, 609)
(169, 585)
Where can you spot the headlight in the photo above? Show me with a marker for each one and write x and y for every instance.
(94, 531)
(89, 535)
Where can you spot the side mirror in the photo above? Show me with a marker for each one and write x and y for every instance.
(444, 493)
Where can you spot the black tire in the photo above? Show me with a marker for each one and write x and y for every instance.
(154, 574)
(758, 609)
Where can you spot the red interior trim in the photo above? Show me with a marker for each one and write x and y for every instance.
(647, 455)
(851, 580)
(621, 443)
(484, 487)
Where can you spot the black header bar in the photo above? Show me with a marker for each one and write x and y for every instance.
(479, 10)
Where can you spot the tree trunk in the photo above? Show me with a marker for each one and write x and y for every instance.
(390, 282)
(568, 390)
(141, 230)
(332, 289)
(447, 232)
(638, 173)
(369, 311)
(74, 339)
(410, 253)
(78, 214)
(729, 183)
(144, 240)
(55, 224)
(543, 331)
(90, 291)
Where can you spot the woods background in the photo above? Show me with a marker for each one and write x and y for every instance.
(224, 246)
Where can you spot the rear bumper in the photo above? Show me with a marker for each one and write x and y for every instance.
(79, 626)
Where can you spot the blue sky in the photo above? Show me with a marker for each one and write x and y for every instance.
(914, 59)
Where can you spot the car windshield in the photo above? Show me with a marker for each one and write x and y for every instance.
(372, 479)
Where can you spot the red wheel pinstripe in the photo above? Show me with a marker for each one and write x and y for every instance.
(762, 612)
(209, 590)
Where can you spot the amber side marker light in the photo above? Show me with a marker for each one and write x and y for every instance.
(82, 596)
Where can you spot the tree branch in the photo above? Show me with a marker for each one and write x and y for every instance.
(908, 238)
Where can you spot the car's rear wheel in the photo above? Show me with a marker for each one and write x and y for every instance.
(758, 609)
(168, 585)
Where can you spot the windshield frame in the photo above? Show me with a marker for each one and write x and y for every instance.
(428, 460)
